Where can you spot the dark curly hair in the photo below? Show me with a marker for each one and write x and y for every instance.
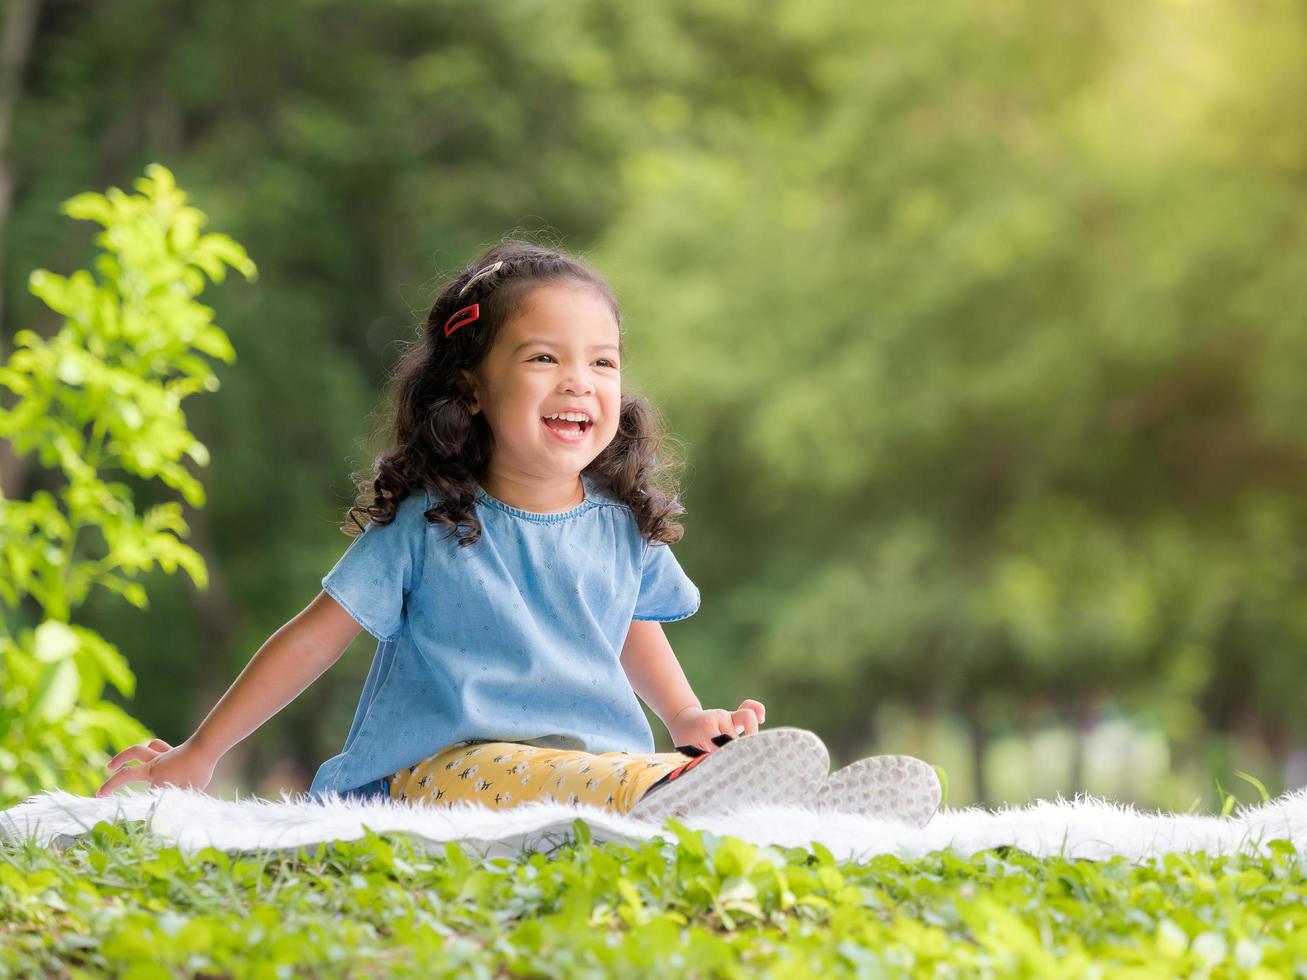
(432, 441)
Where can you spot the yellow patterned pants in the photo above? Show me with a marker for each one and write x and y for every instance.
(500, 775)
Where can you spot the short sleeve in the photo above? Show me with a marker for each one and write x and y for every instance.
(380, 567)
(666, 592)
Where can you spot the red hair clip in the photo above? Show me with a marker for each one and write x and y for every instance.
(462, 318)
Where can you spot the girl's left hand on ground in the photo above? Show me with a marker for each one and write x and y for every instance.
(698, 726)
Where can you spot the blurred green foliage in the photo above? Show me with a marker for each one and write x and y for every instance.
(104, 392)
(983, 326)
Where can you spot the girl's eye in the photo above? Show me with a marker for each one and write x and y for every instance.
(602, 360)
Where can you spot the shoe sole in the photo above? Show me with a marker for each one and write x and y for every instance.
(778, 766)
(894, 787)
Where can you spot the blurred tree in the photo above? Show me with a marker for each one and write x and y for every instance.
(986, 370)
(981, 324)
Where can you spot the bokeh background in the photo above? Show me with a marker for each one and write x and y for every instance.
(980, 325)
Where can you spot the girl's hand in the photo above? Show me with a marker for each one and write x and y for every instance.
(160, 765)
(697, 726)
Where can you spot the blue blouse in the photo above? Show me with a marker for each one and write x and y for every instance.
(515, 638)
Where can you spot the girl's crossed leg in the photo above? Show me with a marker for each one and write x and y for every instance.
(500, 775)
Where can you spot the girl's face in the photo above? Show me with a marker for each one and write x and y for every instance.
(559, 355)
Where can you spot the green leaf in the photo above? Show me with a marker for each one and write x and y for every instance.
(734, 857)
(581, 831)
(108, 659)
(57, 294)
(89, 206)
(1257, 783)
(56, 694)
(133, 592)
(55, 641)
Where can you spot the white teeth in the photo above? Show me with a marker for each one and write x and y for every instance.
(570, 416)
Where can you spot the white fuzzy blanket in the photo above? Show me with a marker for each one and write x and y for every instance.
(1082, 828)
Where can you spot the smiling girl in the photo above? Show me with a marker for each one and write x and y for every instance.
(516, 572)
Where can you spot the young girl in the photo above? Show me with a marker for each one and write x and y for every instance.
(516, 574)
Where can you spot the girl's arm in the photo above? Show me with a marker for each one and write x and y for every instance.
(288, 662)
(655, 674)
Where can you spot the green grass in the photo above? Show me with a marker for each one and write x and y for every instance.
(119, 902)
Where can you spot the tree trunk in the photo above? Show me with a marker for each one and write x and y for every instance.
(1081, 718)
(16, 39)
(979, 735)
(851, 742)
(1277, 742)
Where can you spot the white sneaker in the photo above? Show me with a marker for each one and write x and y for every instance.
(775, 766)
(892, 787)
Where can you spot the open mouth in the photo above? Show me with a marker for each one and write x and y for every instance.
(568, 431)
